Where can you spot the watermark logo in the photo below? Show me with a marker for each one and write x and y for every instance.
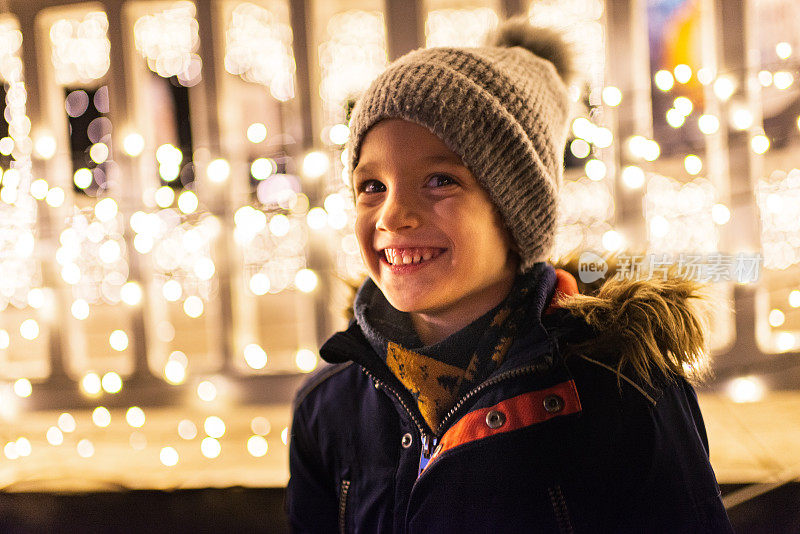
(591, 267)
(714, 267)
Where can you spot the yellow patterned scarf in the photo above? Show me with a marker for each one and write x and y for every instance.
(439, 375)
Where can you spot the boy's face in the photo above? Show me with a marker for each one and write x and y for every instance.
(429, 235)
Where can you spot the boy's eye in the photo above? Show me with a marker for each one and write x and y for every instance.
(371, 186)
(440, 180)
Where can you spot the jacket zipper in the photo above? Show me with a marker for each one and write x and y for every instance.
(424, 436)
(429, 441)
(480, 387)
(345, 487)
(560, 509)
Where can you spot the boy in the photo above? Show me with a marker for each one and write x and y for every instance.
(465, 396)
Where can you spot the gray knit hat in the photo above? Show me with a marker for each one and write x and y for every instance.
(502, 108)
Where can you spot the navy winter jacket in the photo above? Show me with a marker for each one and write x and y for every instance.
(556, 440)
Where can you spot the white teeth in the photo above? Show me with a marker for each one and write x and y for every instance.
(395, 257)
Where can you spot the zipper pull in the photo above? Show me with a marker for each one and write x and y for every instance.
(428, 445)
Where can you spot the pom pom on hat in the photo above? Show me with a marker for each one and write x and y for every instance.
(544, 42)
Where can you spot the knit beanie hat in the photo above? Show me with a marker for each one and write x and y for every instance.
(503, 108)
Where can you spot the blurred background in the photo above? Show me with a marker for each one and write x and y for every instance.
(175, 230)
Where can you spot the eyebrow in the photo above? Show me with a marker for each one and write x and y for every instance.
(433, 158)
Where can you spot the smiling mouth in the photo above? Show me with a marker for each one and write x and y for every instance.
(410, 256)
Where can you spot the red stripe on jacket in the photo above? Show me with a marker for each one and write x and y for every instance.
(518, 412)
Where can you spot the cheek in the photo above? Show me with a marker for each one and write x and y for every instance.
(364, 237)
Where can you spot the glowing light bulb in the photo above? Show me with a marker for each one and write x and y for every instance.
(99, 152)
(612, 96)
(794, 299)
(675, 118)
(612, 240)
(168, 456)
(187, 430)
(133, 145)
(338, 134)
(256, 132)
(55, 197)
(315, 164)
(85, 448)
(683, 73)
(66, 422)
(259, 284)
(83, 178)
(759, 143)
(106, 209)
(720, 214)
(45, 146)
(218, 170)
(305, 280)
(724, 87)
(746, 389)
(783, 50)
(261, 168)
(131, 293)
(776, 318)
(188, 202)
(255, 356)
(164, 196)
(29, 329)
(23, 388)
(54, 436)
(214, 426)
(174, 372)
(783, 79)
(579, 148)
(664, 80)
(693, 164)
(317, 218)
(595, 170)
(741, 118)
(172, 290)
(193, 306)
(683, 105)
(210, 447)
(118, 340)
(305, 360)
(135, 417)
(101, 417)
(708, 124)
(206, 391)
(257, 446)
(111, 382)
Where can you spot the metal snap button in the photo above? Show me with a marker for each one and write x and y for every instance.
(495, 419)
(407, 439)
(553, 403)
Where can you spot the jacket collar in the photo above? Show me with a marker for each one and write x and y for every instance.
(352, 345)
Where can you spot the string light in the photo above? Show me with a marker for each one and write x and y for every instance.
(664, 80)
(683, 73)
(746, 389)
(612, 96)
(257, 446)
(759, 143)
(256, 132)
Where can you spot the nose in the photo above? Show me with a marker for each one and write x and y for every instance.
(399, 211)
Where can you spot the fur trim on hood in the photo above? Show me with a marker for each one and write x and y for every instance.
(649, 326)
